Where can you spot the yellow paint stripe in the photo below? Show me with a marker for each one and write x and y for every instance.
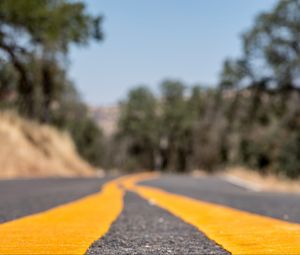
(236, 231)
(130, 181)
(67, 229)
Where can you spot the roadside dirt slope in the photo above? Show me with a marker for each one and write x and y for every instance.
(29, 149)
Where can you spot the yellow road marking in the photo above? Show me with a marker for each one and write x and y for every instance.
(71, 228)
(236, 231)
(67, 229)
(131, 180)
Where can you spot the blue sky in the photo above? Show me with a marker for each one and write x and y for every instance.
(147, 41)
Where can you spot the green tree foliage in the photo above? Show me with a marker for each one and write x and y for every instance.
(8, 80)
(158, 132)
(35, 39)
(42, 32)
(273, 43)
(266, 82)
(73, 115)
(138, 128)
(175, 126)
(252, 118)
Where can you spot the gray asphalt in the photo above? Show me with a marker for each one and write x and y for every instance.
(213, 189)
(19, 198)
(143, 228)
(146, 229)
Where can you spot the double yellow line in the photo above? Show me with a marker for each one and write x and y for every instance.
(67, 229)
(71, 228)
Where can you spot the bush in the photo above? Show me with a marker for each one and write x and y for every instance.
(289, 157)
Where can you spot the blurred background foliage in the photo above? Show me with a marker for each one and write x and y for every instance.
(251, 118)
(35, 38)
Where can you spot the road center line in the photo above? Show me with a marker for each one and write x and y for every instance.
(66, 229)
(236, 231)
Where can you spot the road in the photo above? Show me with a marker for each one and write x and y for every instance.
(19, 198)
(167, 214)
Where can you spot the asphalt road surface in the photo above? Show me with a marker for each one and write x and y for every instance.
(146, 229)
(20, 198)
(143, 227)
(216, 190)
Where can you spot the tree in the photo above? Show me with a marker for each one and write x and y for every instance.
(8, 81)
(42, 31)
(176, 126)
(35, 38)
(274, 44)
(138, 127)
(264, 85)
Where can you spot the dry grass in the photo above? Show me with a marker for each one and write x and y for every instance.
(28, 149)
(199, 173)
(265, 182)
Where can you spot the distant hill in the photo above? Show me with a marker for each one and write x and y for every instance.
(106, 117)
(29, 149)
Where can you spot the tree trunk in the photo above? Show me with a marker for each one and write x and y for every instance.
(25, 88)
(47, 87)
